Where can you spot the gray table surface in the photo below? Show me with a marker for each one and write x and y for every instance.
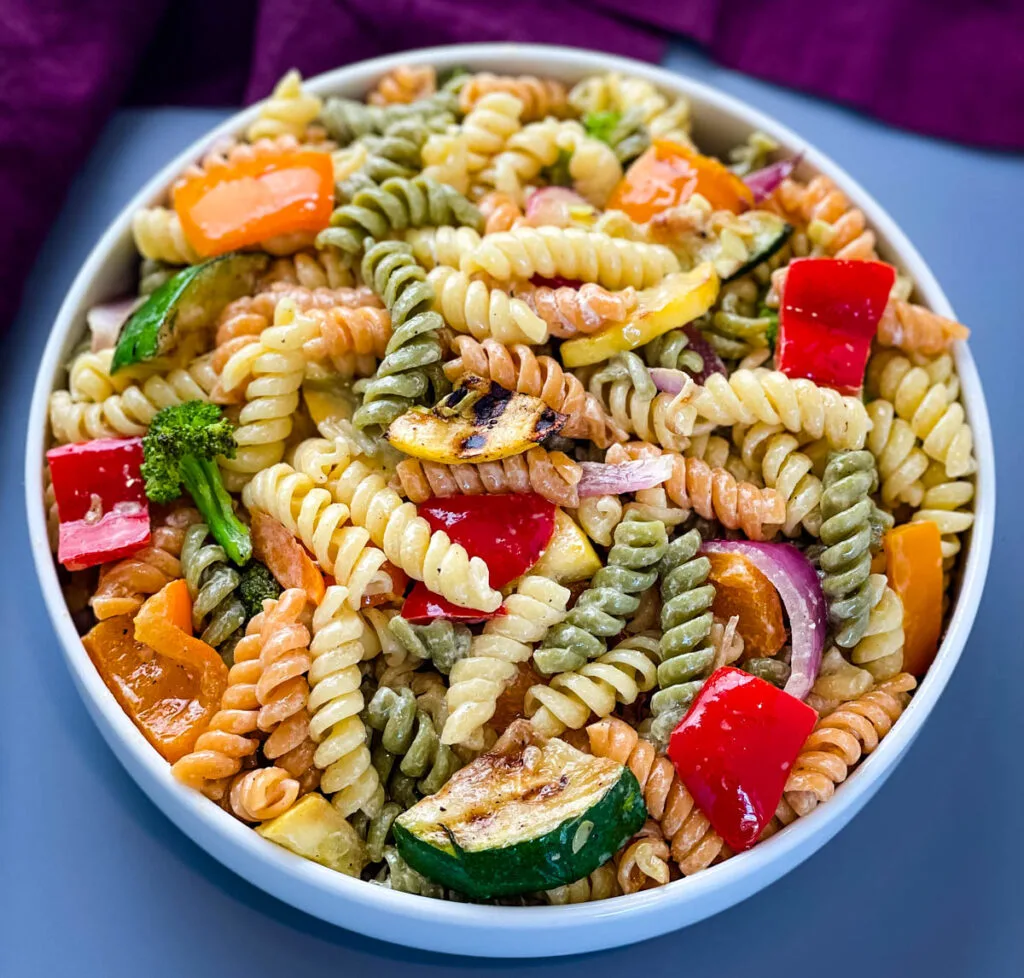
(926, 880)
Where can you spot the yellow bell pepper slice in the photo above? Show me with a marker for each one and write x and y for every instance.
(569, 556)
(675, 301)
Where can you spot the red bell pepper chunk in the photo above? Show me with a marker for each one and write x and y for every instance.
(423, 606)
(734, 749)
(510, 532)
(101, 500)
(829, 315)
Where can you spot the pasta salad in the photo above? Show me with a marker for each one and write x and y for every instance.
(491, 495)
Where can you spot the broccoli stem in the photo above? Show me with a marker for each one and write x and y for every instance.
(201, 478)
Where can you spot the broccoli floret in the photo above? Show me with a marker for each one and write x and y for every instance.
(256, 585)
(602, 125)
(181, 449)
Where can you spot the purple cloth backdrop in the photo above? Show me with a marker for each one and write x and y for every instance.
(951, 68)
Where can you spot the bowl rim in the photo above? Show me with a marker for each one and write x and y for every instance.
(439, 925)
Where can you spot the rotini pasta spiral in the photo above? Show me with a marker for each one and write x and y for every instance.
(408, 732)
(487, 128)
(347, 120)
(335, 702)
(322, 269)
(159, 236)
(288, 111)
(841, 739)
(880, 651)
(282, 689)
(518, 368)
(539, 97)
(407, 540)
(833, 224)
(404, 84)
(524, 155)
(500, 211)
(231, 736)
(571, 698)
(129, 412)
(612, 92)
(846, 511)
(477, 681)
(402, 377)
(124, 585)
(686, 653)
(594, 168)
(599, 515)
(256, 796)
(551, 252)
(441, 246)
(441, 642)
(552, 475)
(930, 408)
(272, 368)
(471, 306)
(901, 463)
(311, 513)
(212, 583)
(394, 205)
(601, 884)
(800, 405)
(625, 391)
(694, 844)
(445, 158)
(916, 330)
(251, 315)
(643, 861)
(613, 596)
(570, 312)
(775, 453)
(943, 503)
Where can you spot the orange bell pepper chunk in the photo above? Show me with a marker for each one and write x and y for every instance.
(913, 554)
(159, 694)
(285, 557)
(247, 202)
(742, 590)
(668, 174)
(164, 623)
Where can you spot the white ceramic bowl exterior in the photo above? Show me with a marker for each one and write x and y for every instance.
(720, 121)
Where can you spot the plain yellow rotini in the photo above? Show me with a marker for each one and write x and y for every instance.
(928, 405)
(601, 884)
(310, 512)
(901, 463)
(335, 701)
(599, 515)
(473, 307)
(551, 252)
(159, 236)
(946, 502)
(664, 419)
(487, 128)
(441, 246)
(271, 368)
(477, 681)
(129, 412)
(800, 406)
(775, 453)
(880, 651)
(287, 112)
(445, 158)
(524, 155)
(571, 698)
(618, 93)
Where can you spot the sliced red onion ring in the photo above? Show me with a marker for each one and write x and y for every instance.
(669, 380)
(712, 361)
(600, 479)
(105, 321)
(794, 578)
(762, 183)
(552, 205)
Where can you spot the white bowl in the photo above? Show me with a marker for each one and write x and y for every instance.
(435, 925)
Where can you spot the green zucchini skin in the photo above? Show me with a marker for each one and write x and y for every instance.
(189, 300)
(765, 250)
(534, 864)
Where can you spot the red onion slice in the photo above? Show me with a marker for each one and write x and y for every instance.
(670, 381)
(599, 478)
(105, 321)
(762, 183)
(797, 583)
(712, 361)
